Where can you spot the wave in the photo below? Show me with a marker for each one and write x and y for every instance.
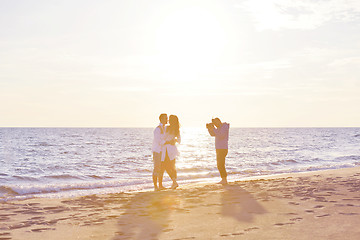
(7, 191)
(98, 177)
(326, 167)
(42, 144)
(99, 185)
(63, 176)
(350, 157)
(197, 175)
(195, 169)
(23, 178)
(280, 162)
(34, 189)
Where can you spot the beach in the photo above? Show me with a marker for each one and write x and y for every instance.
(98, 97)
(311, 205)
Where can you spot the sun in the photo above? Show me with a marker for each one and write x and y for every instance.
(190, 42)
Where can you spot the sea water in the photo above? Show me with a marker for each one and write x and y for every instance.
(65, 162)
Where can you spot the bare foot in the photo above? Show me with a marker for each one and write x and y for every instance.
(175, 185)
(223, 182)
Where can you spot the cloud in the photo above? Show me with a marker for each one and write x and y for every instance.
(300, 14)
(350, 61)
(129, 89)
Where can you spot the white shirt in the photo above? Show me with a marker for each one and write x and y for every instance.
(158, 138)
(170, 149)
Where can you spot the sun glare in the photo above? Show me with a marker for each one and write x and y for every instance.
(190, 42)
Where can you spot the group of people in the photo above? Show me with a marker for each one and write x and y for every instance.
(164, 149)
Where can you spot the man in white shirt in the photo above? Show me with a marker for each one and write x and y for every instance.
(156, 149)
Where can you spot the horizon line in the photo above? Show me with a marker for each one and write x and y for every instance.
(180, 127)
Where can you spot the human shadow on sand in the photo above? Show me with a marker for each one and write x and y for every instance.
(146, 215)
(240, 204)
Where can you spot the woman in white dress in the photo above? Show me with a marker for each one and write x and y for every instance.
(169, 151)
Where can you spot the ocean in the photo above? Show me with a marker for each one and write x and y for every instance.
(67, 162)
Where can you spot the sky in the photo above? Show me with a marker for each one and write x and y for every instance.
(252, 63)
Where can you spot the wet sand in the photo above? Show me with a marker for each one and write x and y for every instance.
(313, 205)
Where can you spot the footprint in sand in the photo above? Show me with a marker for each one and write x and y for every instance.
(184, 238)
(292, 214)
(41, 229)
(5, 236)
(251, 229)
(325, 215)
(283, 224)
(224, 235)
(52, 222)
(7, 215)
(296, 219)
(54, 209)
(237, 234)
(21, 225)
(319, 206)
(340, 205)
(119, 233)
(349, 214)
(320, 199)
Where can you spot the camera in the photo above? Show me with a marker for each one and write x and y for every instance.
(209, 125)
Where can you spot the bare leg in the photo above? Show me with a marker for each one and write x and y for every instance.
(173, 175)
(161, 175)
(156, 188)
(157, 169)
(220, 158)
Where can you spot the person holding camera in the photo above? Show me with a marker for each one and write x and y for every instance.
(220, 130)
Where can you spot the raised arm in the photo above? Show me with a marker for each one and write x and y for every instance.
(211, 131)
(218, 132)
(222, 131)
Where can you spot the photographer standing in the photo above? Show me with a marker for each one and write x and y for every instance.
(220, 131)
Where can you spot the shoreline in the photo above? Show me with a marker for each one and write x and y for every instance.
(308, 205)
(149, 187)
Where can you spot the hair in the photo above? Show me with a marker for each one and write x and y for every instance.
(162, 115)
(174, 127)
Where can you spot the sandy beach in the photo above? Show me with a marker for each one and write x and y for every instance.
(312, 205)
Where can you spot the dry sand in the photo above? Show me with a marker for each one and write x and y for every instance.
(315, 205)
